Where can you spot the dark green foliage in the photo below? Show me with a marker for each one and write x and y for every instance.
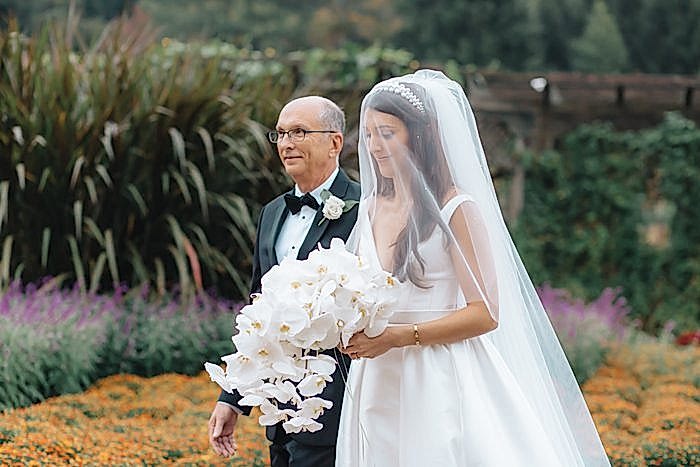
(481, 32)
(559, 23)
(673, 150)
(588, 208)
(600, 49)
(660, 36)
(107, 9)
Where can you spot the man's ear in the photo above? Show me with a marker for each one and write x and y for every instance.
(337, 144)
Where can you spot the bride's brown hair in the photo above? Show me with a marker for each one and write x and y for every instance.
(428, 170)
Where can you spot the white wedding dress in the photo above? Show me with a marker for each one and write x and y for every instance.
(438, 405)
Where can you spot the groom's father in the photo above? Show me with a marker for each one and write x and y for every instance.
(309, 138)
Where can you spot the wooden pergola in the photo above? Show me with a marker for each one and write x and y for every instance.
(543, 106)
(534, 110)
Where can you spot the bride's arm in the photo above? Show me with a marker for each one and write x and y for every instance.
(471, 321)
(475, 269)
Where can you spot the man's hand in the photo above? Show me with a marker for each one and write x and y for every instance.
(221, 425)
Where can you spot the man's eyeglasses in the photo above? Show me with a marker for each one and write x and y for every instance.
(295, 135)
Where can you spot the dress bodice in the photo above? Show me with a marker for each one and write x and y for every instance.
(442, 294)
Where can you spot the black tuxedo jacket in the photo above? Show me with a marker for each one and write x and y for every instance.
(270, 223)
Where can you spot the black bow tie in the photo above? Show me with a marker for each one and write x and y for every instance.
(294, 203)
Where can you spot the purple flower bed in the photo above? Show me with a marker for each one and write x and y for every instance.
(45, 305)
(151, 334)
(567, 314)
(586, 330)
(54, 340)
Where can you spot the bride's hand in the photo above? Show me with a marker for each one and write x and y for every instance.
(361, 346)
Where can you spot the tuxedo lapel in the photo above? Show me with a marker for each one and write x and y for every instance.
(339, 189)
(278, 213)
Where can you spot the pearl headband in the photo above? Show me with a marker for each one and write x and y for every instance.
(403, 91)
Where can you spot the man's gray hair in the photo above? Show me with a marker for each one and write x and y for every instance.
(332, 116)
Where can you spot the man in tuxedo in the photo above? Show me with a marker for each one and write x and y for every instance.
(309, 138)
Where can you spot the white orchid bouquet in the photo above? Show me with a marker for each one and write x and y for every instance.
(305, 307)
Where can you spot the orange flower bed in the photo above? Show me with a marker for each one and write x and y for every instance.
(646, 405)
(645, 402)
(124, 420)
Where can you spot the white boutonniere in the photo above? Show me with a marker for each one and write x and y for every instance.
(334, 207)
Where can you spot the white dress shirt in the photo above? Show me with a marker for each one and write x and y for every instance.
(296, 226)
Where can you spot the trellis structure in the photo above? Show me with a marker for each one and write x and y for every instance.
(516, 111)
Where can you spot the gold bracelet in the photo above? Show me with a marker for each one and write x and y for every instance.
(416, 336)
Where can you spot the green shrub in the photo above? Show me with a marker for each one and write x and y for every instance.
(588, 207)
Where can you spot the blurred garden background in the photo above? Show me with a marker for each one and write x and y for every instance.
(134, 162)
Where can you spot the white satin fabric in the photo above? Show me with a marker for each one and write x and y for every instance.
(439, 405)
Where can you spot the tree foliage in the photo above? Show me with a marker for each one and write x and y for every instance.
(481, 32)
(659, 36)
(277, 24)
(558, 23)
(600, 48)
(662, 36)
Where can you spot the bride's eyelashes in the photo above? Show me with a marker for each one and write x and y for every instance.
(386, 134)
(383, 129)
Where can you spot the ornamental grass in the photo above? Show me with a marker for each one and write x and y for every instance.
(132, 163)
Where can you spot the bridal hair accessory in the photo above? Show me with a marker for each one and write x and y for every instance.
(403, 91)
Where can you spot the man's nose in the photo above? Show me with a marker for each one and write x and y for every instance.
(284, 141)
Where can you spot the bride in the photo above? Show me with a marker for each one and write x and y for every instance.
(469, 372)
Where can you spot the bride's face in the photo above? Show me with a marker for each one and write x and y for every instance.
(387, 139)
